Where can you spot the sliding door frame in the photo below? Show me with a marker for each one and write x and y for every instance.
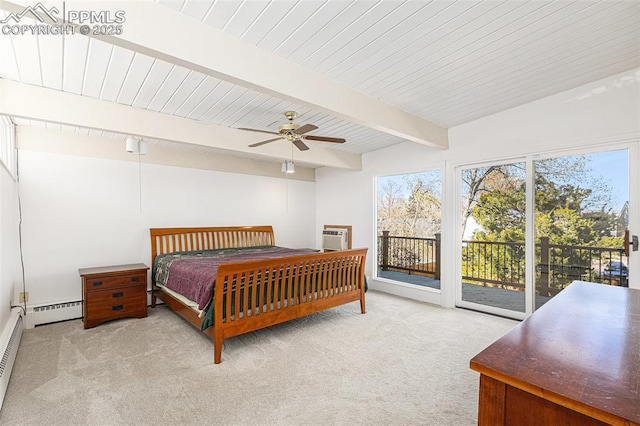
(634, 211)
(458, 238)
(633, 148)
(454, 172)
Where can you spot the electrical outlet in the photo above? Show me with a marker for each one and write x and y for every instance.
(24, 297)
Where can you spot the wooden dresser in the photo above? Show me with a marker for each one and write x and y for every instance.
(112, 292)
(575, 361)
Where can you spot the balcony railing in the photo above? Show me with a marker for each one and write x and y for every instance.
(409, 254)
(500, 264)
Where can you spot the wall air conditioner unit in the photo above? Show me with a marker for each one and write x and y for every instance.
(334, 239)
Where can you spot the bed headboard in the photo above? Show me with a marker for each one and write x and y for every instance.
(167, 240)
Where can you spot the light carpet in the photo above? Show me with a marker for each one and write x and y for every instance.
(402, 363)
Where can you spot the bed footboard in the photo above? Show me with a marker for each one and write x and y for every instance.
(253, 295)
(257, 294)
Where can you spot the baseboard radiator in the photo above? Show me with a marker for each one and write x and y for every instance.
(9, 342)
(55, 312)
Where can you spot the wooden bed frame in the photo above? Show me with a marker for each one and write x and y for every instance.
(282, 289)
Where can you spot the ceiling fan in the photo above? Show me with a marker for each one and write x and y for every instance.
(294, 133)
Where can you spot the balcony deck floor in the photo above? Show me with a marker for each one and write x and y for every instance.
(491, 296)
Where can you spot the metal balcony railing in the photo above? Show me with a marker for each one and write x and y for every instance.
(502, 264)
(409, 254)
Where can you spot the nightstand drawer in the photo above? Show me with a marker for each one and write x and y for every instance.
(116, 302)
(115, 281)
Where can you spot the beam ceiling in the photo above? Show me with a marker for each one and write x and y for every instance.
(159, 32)
(26, 101)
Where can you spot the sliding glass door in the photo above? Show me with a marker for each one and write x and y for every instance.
(581, 220)
(531, 227)
(493, 236)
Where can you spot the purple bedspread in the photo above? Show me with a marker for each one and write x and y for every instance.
(193, 274)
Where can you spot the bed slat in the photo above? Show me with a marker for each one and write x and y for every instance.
(292, 281)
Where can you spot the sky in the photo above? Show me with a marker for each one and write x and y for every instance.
(613, 166)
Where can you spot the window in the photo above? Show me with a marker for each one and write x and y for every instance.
(8, 145)
(408, 228)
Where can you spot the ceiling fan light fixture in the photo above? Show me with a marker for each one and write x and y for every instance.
(288, 167)
(294, 133)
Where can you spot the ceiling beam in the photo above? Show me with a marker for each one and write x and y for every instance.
(157, 31)
(37, 103)
(39, 139)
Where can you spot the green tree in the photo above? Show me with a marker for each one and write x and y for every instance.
(475, 182)
(563, 212)
(501, 214)
(560, 213)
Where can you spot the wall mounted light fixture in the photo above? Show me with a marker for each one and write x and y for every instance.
(136, 145)
(288, 167)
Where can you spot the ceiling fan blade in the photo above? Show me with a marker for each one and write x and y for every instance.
(305, 129)
(264, 142)
(257, 130)
(325, 139)
(301, 146)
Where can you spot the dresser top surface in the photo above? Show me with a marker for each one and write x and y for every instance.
(113, 269)
(583, 345)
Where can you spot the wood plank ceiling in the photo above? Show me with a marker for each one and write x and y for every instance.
(448, 62)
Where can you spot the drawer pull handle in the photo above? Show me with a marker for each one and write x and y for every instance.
(97, 283)
(135, 279)
(118, 294)
(116, 307)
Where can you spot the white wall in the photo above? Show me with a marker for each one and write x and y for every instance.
(592, 115)
(82, 212)
(10, 275)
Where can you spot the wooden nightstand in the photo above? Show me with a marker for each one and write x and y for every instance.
(113, 292)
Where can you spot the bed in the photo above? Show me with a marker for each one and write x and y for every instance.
(248, 290)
